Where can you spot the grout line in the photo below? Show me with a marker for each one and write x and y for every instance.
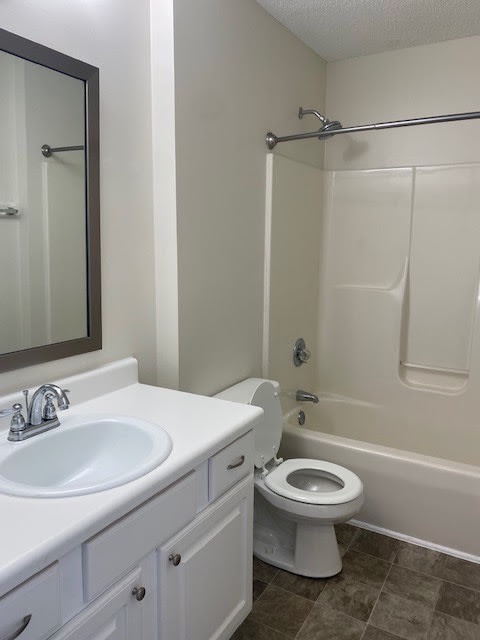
(276, 630)
(354, 537)
(474, 624)
(376, 601)
(347, 615)
(291, 593)
(297, 635)
(436, 577)
(364, 553)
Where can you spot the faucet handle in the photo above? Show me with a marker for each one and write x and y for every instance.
(304, 355)
(16, 408)
(49, 412)
(301, 354)
(17, 422)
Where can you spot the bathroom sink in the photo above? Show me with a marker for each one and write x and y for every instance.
(83, 455)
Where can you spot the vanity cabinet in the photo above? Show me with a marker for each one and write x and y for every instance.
(178, 567)
(204, 573)
(32, 610)
(124, 612)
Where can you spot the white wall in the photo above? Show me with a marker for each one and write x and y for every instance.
(293, 241)
(238, 74)
(408, 83)
(115, 37)
(195, 323)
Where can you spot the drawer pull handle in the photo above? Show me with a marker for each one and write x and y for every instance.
(237, 463)
(175, 559)
(139, 593)
(19, 631)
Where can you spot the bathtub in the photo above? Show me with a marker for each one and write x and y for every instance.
(423, 500)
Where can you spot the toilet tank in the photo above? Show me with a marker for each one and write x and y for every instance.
(268, 430)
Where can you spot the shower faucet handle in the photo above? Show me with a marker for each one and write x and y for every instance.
(301, 354)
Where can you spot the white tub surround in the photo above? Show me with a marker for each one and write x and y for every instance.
(75, 534)
(422, 499)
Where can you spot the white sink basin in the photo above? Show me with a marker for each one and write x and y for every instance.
(83, 455)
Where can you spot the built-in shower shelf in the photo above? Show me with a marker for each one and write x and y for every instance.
(438, 379)
(424, 367)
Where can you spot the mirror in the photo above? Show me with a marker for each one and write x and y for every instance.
(49, 205)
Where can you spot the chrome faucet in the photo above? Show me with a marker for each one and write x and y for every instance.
(41, 416)
(37, 416)
(306, 396)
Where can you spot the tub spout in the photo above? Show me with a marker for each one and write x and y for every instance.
(306, 396)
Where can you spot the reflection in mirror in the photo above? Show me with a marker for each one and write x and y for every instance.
(42, 245)
(49, 210)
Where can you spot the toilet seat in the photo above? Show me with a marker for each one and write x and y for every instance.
(349, 485)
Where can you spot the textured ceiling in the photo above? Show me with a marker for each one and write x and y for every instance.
(338, 29)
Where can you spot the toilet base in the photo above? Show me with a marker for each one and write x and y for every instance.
(312, 551)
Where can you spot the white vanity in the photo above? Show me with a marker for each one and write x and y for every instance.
(164, 557)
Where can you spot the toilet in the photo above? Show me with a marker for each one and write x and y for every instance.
(297, 501)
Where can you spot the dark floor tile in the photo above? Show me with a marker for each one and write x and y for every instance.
(263, 571)
(460, 571)
(372, 633)
(375, 544)
(447, 628)
(309, 588)
(460, 602)
(281, 610)
(251, 630)
(419, 558)
(405, 618)
(345, 533)
(353, 598)
(413, 585)
(342, 550)
(364, 568)
(258, 588)
(325, 623)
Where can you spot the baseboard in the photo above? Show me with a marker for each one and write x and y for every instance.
(416, 541)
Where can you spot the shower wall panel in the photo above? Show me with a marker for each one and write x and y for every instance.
(444, 264)
(370, 227)
(399, 348)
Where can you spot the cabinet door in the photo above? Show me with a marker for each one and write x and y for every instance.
(118, 614)
(205, 572)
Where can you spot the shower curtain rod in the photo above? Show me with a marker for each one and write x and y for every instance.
(334, 128)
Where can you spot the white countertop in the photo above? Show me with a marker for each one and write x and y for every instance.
(36, 531)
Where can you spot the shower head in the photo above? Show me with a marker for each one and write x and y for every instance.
(272, 140)
(334, 125)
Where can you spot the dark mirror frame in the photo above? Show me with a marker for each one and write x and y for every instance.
(39, 54)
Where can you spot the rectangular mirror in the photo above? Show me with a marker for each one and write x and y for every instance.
(49, 205)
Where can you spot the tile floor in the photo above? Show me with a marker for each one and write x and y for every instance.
(387, 590)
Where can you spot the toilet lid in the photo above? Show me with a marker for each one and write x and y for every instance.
(268, 430)
(314, 482)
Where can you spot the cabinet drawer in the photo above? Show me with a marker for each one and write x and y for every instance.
(229, 465)
(38, 598)
(109, 554)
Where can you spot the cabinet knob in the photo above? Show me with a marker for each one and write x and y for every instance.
(175, 559)
(139, 593)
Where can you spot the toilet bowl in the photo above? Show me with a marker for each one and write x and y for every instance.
(297, 501)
